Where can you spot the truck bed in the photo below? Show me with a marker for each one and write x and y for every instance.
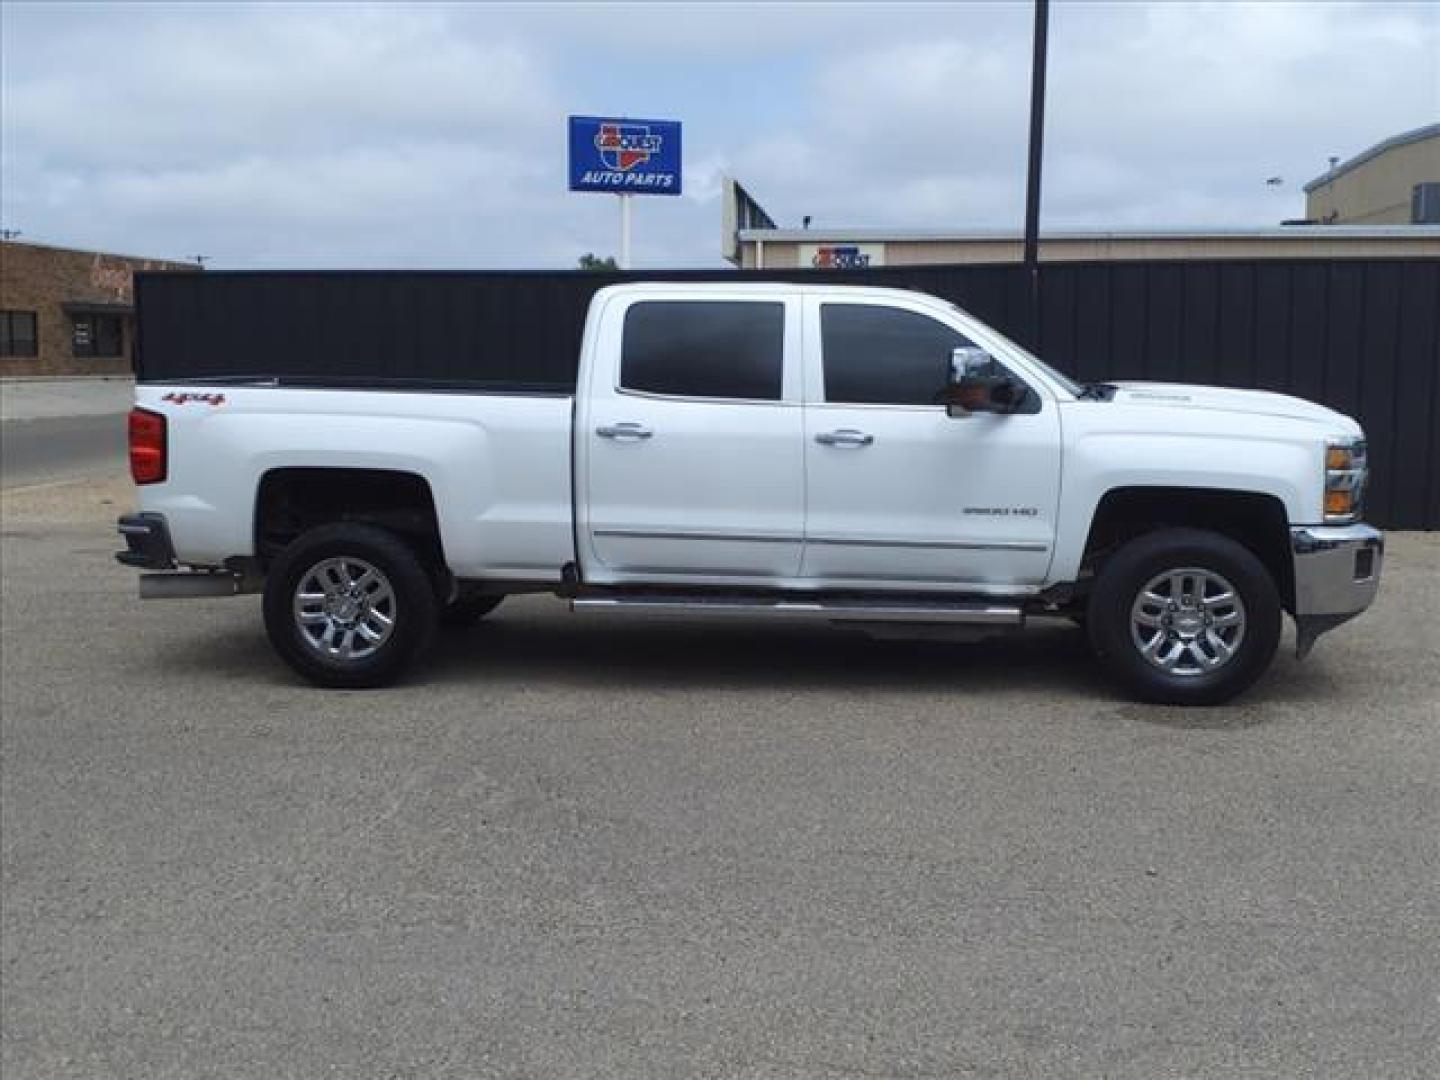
(497, 465)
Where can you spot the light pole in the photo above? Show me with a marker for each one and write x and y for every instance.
(1037, 143)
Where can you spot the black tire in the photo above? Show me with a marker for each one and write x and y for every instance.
(1119, 645)
(468, 608)
(410, 606)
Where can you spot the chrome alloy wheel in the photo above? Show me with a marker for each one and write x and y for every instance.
(1188, 621)
(344, 608)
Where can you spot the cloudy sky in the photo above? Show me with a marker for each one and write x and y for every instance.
(434, 135)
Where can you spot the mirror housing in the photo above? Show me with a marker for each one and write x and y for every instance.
(979, 384)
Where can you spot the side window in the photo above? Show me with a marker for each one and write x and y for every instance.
(17, 333)
(877, 355)
(96, 335)
(705, 348)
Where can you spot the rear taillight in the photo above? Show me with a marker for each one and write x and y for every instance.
(147, 446)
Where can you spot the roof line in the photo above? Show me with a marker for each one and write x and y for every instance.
(1405, 138)
(871, 235)
(107, 254)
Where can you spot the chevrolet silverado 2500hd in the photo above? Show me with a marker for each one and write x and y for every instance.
(859, 455)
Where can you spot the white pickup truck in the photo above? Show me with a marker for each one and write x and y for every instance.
(857, 455)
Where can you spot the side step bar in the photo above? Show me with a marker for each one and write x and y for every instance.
(185, 585)
(961, 612)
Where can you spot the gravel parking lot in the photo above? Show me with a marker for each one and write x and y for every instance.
(584, 846)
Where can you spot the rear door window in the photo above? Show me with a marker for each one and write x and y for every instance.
(705, 349)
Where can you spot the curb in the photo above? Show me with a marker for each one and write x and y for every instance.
(30, 380)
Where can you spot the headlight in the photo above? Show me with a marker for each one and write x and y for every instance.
(1346, 471)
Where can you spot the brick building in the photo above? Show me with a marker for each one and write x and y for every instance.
(67, 312)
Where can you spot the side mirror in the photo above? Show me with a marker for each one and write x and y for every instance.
(979, 384)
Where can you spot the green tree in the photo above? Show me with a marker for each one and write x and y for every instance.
(590, 261)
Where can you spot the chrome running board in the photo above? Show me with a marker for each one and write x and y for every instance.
(187, 585)
(888, 611)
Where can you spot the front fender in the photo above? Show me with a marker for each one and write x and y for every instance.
(1099, 462)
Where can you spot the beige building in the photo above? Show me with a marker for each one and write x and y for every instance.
(785, 249)
(1396, 182)
(67, 312)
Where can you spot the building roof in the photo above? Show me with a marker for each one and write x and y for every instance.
(1405, 138)
(108, 254)
(1288, 232)
(93, 307)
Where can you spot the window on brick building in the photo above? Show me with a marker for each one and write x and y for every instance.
(17, 333)
(97, 335)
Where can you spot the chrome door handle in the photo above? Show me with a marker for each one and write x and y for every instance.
(844, 437)
(626, 430)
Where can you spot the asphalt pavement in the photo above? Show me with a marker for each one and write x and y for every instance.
(39, 398)
(59, 448)
(592, 846)
(60, 429)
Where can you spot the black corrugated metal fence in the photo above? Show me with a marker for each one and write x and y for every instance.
(1360, 335)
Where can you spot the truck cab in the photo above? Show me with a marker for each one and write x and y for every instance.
(802, 439)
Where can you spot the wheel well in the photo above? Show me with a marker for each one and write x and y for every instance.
(291, 501)
(1257, 521)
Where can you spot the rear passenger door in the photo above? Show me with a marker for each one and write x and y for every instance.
(690, 440)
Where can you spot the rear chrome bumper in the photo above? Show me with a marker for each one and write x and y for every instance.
(1337, 573)
(148, 547)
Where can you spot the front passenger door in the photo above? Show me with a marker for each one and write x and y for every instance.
(898, 493)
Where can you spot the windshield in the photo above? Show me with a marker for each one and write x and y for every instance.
(1075, 388)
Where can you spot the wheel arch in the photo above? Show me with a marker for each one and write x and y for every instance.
(1256, 520)
(292, 500)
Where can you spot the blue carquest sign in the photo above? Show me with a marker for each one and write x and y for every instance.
(625, 157)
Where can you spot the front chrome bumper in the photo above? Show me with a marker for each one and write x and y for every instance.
(1337, 573)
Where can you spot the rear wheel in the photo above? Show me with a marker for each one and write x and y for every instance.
(349, 605)
(1185, 617)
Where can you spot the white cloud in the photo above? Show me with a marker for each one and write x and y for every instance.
(1204, 102)
(224, 81)
(1164, 114)
(415, 135)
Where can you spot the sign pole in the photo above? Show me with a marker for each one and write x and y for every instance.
(625, 232)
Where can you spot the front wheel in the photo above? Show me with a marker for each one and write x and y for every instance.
(1185, 617)
(349, 605)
